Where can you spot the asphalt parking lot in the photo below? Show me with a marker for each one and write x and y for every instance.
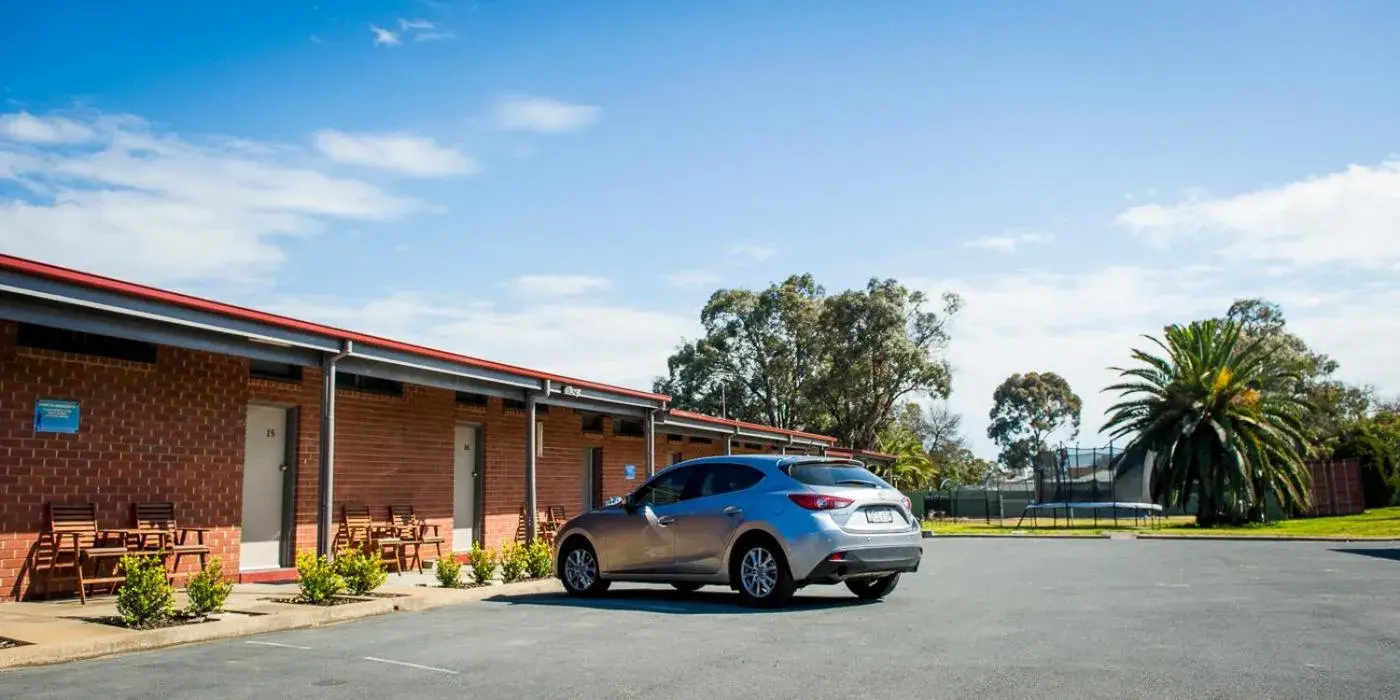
(984, 618)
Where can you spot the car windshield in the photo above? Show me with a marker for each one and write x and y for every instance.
(838, 474)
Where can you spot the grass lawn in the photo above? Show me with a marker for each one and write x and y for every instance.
(1377, 523)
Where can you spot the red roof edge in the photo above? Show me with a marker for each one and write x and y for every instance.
(873, 453)
(741, 424)
(87, 279)
(849, 452)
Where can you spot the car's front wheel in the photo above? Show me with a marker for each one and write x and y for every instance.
(762, 575)
(873, 588)
(578, 569)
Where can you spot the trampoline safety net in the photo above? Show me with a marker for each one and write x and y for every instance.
(1093, 479)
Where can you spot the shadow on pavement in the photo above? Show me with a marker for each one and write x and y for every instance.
(1391, 554)
(676, 603)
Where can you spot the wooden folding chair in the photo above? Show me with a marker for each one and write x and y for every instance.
(416, 532)
(554, 519)
(160, 517)
(360, 531)
(75, 541)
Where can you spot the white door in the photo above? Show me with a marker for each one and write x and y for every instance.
(265, 452)
(464, 488)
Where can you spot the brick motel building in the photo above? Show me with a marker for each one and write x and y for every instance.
(261, 427)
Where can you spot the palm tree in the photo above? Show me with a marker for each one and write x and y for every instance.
(1216, 419)
(912, 468)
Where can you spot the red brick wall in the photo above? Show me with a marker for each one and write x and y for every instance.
(1337, 487)
(175, 431)
(559, 470)
(169, 431)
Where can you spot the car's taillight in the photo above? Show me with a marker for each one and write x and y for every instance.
(908, 504)
(817, 501)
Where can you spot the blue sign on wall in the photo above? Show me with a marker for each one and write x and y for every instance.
(55, 416)
(630, 471)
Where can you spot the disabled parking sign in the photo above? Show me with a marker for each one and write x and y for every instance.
(55, 416)
(629, 472)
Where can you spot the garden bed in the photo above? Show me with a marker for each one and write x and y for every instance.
(338, 600)
(177, 620)
(461, 587)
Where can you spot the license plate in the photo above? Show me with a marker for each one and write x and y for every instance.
(882, 515)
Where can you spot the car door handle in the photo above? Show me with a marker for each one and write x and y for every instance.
(665, 520)
(733, 510)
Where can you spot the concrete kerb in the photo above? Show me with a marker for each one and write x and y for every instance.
(301, 617)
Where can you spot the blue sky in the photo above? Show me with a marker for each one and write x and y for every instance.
(563, 184)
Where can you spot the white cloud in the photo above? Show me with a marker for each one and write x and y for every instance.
(419, 30)
(543, 115)
(752, 251)
(384, 37)
(23, 126)
(405, 154)
(157, 208)
(619, 345)
(1351, 217)
(558, 285)
(1009, 242)
(690, 278)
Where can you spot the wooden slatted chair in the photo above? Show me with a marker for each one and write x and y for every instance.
(415, 532)
(360, 531)
(543, 528)
(553, 520)
(76, 541)
(160, 515)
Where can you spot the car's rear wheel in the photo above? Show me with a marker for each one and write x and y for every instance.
(686, 586)
(873, 588)
(578, 569)
(762, 575)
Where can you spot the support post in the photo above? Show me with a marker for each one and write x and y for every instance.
(651, 443)
(728, 445)
(530, 450)
(325, 482)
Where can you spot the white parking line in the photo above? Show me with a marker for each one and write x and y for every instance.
(405, 663)
(283, 646)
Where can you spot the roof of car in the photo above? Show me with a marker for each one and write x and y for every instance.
(773, 461)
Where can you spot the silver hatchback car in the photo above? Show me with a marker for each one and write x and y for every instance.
(762, 525)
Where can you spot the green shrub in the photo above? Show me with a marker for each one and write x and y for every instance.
(208, 590)
(147, 596)
(539, 559)
(361, 572)
(317, 579)
(448, 571)
(513, 563)
(483, 564)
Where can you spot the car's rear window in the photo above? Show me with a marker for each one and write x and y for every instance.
(835, 475)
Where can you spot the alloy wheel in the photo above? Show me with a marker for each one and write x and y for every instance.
(758, 573)
(580, 569)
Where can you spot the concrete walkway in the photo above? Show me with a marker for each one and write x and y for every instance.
(66, 630)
